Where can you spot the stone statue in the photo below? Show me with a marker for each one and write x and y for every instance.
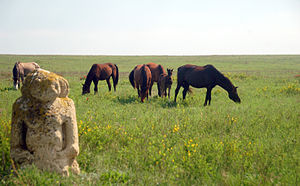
(44, 127)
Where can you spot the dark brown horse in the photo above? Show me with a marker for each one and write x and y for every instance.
(204, 77)
(21, 70)
(141, 79)
(101, 72)
(165, 82)
(156, 71)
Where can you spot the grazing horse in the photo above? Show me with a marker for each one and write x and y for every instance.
(141, 79)
(101, 72)
(156, 71)
(21, 70)
(165, 82)
(204, 77)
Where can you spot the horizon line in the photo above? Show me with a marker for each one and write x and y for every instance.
(267, 54)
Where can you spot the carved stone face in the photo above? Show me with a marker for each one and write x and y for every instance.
(45, 86)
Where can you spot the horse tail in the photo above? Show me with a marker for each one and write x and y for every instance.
(116, 79)
(144, 85)
(131, 78)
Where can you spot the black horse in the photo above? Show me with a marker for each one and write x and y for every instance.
(204, 77)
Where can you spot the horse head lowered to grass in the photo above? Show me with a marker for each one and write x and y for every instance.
(204, 77)
(141, 78)
(101, 72)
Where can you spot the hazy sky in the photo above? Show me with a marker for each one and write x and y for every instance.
(150, 27)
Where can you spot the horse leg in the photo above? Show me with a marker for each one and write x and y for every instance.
(150, 88)
(208, 96)
(158, 88)
(18, 84)
(169, 90)
(114, 79)
(108, 84)
(186, 88)
(115, 87)
(96, 86)
(176, 91)
(138, 90)
(22, 79)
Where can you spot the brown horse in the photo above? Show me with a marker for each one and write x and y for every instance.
(141, 78)
(165, 82)
(204, 77)
(156, 71)
(101, 72)
(21, 70)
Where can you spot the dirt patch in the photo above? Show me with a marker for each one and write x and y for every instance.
(6, 75)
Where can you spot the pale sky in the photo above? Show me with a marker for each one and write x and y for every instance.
(149, 27)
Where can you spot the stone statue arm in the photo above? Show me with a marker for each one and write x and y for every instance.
(18, 149)
(71, 133)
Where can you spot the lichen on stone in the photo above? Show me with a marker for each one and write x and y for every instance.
(39, 119)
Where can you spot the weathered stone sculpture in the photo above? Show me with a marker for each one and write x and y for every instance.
(44, 128)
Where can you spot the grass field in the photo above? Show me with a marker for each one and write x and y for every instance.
(123, 141)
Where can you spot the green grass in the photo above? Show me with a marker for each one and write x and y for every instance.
(123, 141)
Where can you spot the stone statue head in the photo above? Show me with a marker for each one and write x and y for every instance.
(45, 86)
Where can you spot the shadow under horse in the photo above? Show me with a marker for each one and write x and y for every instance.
(141, 78)
(204, 77)
(101, 72)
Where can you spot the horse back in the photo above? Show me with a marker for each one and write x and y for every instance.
(156, 71)
(103, 71)
(197, 76)
(29, 67)
(142, 74)
(138, 75)
(111, 65)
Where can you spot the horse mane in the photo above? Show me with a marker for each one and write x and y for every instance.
(144, 77)
(222, 80)
(161, 69)
(90, 76)
(16, 70)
